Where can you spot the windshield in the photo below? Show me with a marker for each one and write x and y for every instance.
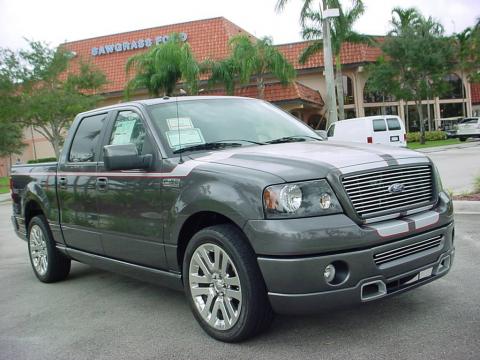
(241, 122)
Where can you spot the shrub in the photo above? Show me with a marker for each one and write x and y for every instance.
(43, 160)
(429, 136)
(476, 185)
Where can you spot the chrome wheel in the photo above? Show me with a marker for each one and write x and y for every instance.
(38, 250)
(215, 286)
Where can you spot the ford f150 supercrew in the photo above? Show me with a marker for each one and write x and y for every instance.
(237, 203)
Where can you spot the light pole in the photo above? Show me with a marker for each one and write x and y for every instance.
(328, 62)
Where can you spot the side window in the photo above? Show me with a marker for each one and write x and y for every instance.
(85, 141)
(379, 125)
(128, 129)
(331, 130)
(393, 124)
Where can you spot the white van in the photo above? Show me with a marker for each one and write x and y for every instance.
(380, 129)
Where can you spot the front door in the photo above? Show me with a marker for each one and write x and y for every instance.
(129, 202)
(76, 187)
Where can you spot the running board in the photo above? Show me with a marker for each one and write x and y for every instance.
(155, 276)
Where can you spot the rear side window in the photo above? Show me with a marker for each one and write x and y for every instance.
(379, 125)
(85, 141)
(393, 124)
(331, 131)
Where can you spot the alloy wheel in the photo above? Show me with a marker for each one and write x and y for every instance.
(38, 250)
(215, 286)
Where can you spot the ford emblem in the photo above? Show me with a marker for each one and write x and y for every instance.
(396, 188)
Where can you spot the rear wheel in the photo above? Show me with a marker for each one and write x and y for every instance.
(224, 285)
(462, 138)
(49, 265)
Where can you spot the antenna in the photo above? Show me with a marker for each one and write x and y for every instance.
(178, 130)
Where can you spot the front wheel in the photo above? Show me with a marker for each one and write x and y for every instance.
(224, 285)
(462, 138)
(49, 265)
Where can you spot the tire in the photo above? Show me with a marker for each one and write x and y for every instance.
(462, 138)
(231, 289)
(48, 264)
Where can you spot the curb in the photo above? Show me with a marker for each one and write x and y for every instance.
(465, 207)
(448, 147)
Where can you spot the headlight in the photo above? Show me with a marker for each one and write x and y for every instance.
(303, 199)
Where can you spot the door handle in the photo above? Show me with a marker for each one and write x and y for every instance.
(102, 183)
(62, 182)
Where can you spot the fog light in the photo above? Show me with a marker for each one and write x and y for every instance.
(329, 273)
(325, 201)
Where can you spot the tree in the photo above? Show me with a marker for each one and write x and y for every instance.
(341, 32)
(162, 66)
(466, 45)
(225, 71)
(252, 59)
(10, 128)
(47, 91)
(417, 58)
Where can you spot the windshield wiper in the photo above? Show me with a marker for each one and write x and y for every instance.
(215, 145)
(294, 138)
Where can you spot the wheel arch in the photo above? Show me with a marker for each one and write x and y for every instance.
(196, 222)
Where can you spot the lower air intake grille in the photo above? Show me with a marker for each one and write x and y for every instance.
(404, 251)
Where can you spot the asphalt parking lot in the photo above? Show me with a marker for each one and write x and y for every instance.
(458, 165)
(99, 315)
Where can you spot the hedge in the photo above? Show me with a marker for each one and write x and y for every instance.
(429, 136)
(43, 160)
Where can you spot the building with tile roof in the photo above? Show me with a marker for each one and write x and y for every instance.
(208, 39)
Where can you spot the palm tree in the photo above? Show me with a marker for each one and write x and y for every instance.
(341, 32)
(404, 20)
(224, 72)
(255, 59)
(160, 68)
(463, 53)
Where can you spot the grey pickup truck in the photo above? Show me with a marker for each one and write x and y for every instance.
(238, 204)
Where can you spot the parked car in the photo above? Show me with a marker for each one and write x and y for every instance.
(239, 205)
(380, 129)
(468, 127)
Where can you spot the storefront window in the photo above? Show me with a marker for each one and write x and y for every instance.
(412, 119)
(350, 114)
(451, 110)
(348, 95)
(375, 96)
(381, 110)
(455, 91)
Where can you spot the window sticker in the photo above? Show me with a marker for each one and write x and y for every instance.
(182, 123)
(184, 137)
(123, 131)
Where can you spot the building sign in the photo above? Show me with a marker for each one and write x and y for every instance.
(132, 45)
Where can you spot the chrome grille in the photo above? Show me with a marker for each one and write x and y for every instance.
(370, 196)
(404, 251)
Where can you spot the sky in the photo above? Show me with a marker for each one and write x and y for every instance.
(57, 21)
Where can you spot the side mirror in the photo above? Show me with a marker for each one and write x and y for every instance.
(125, 157)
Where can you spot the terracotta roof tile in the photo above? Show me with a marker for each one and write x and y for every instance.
(276, 92)
(208, 39)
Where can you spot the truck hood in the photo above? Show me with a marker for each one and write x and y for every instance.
(312, 159)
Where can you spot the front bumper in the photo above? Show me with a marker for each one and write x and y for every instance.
(293, 254)
(298, 286)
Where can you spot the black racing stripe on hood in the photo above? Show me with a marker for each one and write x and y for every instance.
(390, 160)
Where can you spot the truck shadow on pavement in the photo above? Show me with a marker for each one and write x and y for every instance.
(353, 324)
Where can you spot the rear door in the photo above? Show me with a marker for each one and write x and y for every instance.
(129, 202)
(396, 131)
(380, 133)
(76, 189)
